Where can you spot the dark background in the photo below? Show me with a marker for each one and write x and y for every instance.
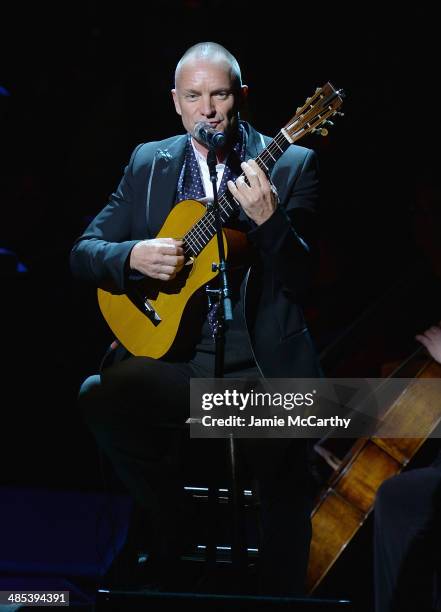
(84, 83)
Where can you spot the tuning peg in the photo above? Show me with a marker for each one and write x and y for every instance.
(328, 123)
(320, 132)
(339, 114)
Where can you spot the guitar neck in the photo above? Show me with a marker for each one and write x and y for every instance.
(311, 117)
(203, 231)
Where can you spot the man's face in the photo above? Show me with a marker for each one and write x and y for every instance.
(205, 91)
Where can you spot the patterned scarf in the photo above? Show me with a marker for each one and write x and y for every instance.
(190, 186)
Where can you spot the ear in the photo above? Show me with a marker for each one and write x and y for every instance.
(176, 101)
(242, 96)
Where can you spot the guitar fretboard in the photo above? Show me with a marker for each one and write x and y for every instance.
(197, 238)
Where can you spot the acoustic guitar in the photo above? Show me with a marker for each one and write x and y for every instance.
(146, 319)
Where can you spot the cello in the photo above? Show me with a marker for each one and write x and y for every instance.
(348, 498)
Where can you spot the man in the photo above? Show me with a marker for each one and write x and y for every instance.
(267, 337)
(408, 530)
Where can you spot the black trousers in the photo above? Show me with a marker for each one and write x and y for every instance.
(407, 542)
(130, 409)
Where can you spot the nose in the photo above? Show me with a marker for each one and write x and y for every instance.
(207, 106)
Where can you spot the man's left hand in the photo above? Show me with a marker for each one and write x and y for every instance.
(431, 339)
(259, 198)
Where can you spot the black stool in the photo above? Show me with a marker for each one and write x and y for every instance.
(237, 497)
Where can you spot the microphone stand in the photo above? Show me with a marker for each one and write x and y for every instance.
(224, 313)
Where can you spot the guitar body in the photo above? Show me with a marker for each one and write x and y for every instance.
(124, 313)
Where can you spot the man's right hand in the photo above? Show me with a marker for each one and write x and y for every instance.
(160, 258)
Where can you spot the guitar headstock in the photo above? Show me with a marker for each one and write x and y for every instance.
(314, 115)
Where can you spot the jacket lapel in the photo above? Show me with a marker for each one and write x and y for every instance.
(255, 144)
(162, 184)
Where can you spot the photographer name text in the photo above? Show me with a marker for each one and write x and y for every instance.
(276, 421)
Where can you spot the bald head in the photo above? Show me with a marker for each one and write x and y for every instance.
(209, 89)
(214, 53)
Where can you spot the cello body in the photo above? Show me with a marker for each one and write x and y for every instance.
(348, 498)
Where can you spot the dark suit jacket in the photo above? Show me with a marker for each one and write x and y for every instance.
(274, 285)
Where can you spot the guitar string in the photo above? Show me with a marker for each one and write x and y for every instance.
(224, 203)
(199, 229)
(197, 232)
(314, 119)
(201, 226)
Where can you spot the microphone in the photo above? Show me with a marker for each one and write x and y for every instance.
(208, 136)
